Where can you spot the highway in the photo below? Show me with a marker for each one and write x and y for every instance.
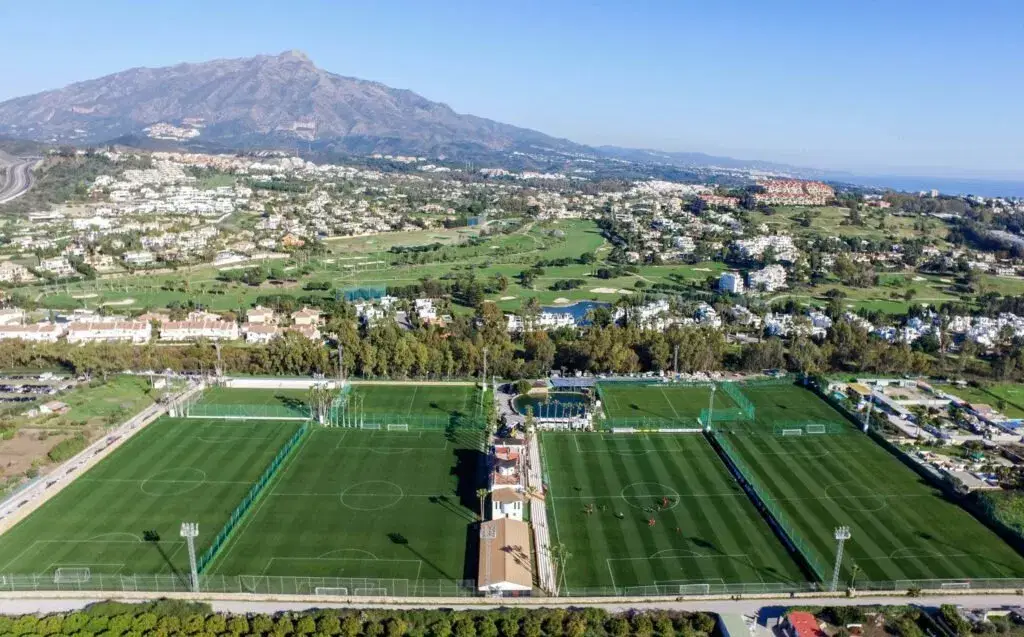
(15, 176)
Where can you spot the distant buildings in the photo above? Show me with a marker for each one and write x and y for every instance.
(731, 283)
(768, 279)
(109, 332)
(794, 192)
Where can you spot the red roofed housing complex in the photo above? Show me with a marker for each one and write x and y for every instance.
(794, 192)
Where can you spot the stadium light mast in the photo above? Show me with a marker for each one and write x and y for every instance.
(189, 531)
(675, 360)
(842, 534)
(488, 533)
(867, 416)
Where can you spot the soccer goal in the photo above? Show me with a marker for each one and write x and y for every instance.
(369, 425)
(71, 576)
(816, 429)
(792, 432)
(694, 589)
(398, 427)
(372, 592)
(955, 586)
(331, 590)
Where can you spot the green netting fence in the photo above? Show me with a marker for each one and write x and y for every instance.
(725, 414)
(742, 402)
(774, 511)
(281, 411)
(254, 494)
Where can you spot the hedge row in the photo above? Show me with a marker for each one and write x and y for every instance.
(167, 618)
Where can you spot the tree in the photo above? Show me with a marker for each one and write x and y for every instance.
(481, 496)
(319, 398)
(559, 556)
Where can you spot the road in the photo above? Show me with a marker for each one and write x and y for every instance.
(15, 176)
(768, 612)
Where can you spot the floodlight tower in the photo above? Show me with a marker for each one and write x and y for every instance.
(711, 407)
(867, 416)
(189, 531)
(488, 533)
(842, 534)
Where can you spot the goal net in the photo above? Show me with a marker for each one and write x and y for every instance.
(71, 576)
(792, 432)
(816, 429)
(695, 589)
(400, 427)
(956, 586)
(372, 591)
(369, 425)
(331, 590)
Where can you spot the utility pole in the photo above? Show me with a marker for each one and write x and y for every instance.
(842, 534)
(189, 531)
(867, 416)
(484, 378)
(488, 533)
(220, 365)
(711, 408)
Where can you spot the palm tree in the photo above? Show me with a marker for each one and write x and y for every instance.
(854, 570)
(559, 555)
(481, 495)
(532, 492)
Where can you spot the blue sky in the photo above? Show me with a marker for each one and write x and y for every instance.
(929, 87)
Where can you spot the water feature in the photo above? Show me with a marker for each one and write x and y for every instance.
(552, 405)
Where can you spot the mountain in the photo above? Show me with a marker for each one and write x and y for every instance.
(263, 101)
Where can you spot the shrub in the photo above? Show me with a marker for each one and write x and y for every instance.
(67, 448)
(216, 624)
(351, 627)
(329, 625)
(305, 625)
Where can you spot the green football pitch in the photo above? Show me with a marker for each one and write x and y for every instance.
(252, 402)
(604, 488)
(352, 503)
(902, 528)
(123, 516)
(426, 400)
(658, 405)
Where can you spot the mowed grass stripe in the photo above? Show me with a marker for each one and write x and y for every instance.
(95, 519)
(915, 533)
(714, 518)
(348, 495)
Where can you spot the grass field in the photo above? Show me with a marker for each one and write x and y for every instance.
(660, 404)
(366, 504)
(776, 405)
(413, 404)
(174, 470)
(901, 527)
(281, 403)
(710, 532)
(1011, 394)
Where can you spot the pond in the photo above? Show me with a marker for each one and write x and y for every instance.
(552, 405)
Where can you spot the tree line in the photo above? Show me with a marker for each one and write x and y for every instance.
(170, 617)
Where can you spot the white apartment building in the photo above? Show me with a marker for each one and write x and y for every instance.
(38, 333)
(260, 315)
(768, 279)
(139, 257)
(257, 333)
(425, 309)
(58, 266)
(14, 273)
(507, 503)
(555, 320)
(731, 283)
(128, 331)
(781, 244)
(214, 330)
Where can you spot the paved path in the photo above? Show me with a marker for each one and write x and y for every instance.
(767, 611)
